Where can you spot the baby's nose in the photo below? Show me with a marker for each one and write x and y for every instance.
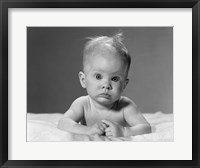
(106, 85)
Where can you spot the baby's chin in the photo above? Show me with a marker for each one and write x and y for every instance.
(105, 101)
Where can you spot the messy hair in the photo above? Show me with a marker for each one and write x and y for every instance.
(115, 42)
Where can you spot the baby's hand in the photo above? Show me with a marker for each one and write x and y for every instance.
(98, 128)
(113, 129)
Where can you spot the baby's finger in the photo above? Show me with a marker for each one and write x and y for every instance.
(109, 134)
(101, 128)
(108, 129)
(99, 131)
(108, 123)
(104, 125)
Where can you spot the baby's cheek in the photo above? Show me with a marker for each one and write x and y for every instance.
(121, 87)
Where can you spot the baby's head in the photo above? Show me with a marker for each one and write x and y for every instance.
(106, 47)
(106, 63)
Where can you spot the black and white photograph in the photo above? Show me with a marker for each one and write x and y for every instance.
(100, 84)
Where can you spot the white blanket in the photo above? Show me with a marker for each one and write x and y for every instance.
(43, 127)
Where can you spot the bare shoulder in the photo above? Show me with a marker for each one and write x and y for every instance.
(76, 111)
(80, 102)
(128, 104)
(132, 115)
(77, 106)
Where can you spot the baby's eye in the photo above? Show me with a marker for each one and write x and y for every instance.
(98, 76)
(116, 78)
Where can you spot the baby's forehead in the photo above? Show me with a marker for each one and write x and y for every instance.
(104, 64)
(100, 59)
(105, 51)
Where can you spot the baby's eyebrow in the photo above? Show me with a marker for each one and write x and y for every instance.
(118, 74)
(95, 71)
(112, 74)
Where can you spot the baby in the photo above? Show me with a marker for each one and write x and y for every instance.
(104, 111)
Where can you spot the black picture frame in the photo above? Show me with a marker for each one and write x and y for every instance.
(6, 4)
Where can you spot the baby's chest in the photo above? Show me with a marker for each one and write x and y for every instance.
(114, 116)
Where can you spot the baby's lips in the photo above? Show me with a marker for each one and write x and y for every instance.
(105, 95)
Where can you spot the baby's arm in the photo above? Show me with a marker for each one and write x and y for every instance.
(137, 123)
(71, 119)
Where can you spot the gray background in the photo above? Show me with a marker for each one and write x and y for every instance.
(54, 58)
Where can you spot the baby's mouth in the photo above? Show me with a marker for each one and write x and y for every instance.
(105, 95)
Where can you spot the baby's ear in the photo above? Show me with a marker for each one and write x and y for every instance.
(126, 82)
(82, 79)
